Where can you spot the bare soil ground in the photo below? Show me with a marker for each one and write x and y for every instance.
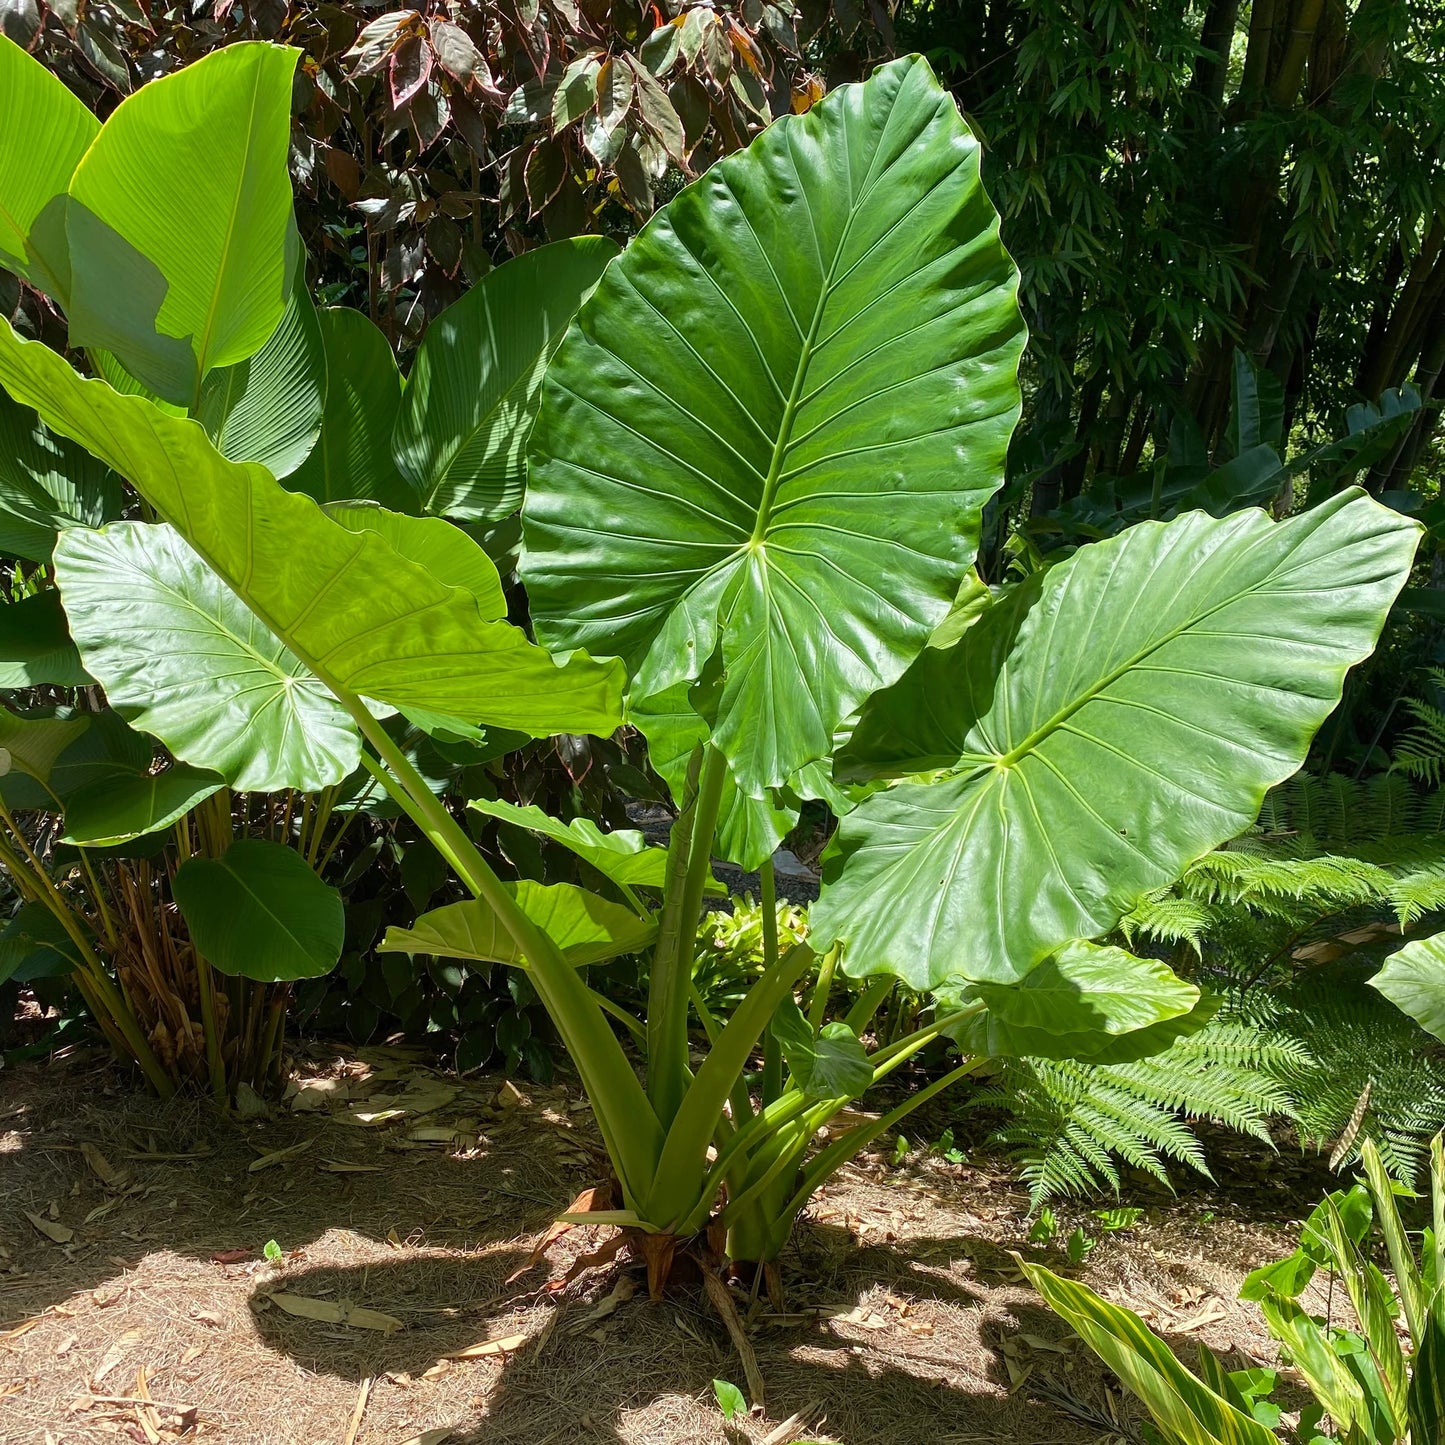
(133, 1267)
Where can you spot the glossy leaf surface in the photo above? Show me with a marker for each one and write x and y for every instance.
(178, 220)
(49, 129)
(434, 543)
(47, 483)
(260, 912)
(829, 1064)
(623, 855)
(1102, 727)
(476, 382)
(268, 408)
(1078, 1004)
(1413, 979)
(346, 603)
(772, 428)
(183, 658)
(587, 929)
(118, 809)
(1181, 1404)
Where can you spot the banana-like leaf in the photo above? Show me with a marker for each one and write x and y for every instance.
(49, 130)
(36, 646)
(178, 220)
(259, 911)
(351, 460)
(1405, 1267)
(587, 929)
(347, 604)
(1427, 1379)
(118, 809)
(268, 408)
(1183, 1407)
(183, 658)
(444, 550)
(1413, 979)
(47, 483)
(476, 382)
(622, 855)
(772, 428)
(1081, 1003)
(1102, 727)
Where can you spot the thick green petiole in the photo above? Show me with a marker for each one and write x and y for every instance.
(628, 1125)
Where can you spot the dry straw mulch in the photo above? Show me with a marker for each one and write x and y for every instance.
(137, 1302)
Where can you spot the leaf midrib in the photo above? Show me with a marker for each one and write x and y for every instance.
(1046, 729)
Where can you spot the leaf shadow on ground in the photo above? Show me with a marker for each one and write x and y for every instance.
(904, 1278)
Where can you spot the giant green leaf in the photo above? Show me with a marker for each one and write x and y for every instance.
(183, 658)
(347, 604)
(260, 911)
(587, 929)
(178, 220)
(117, 809)
(1413, 979)
(476, 382)
(1101, 728)
(268, 408)
(352, 456)
(622, 855)
(1078, 1004)
(36, 646)
(772, 428)
(47, 130)
(441, 547)
(47, 483)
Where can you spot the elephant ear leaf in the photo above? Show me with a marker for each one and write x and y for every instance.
(1099, 730)
(179, 220)
(183, 658)
(1413, 979)
(1093, 1003)
(476, 383)
(47, 483)
(360, 616)
(260, 911)
(35, 173)
(771, 430)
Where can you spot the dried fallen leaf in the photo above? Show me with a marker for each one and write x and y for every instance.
(344, 1166)
(60, 1233)
(267, 1160)
(231, 1256)
(102, 1168)
(335, 1312)
(503, 1346)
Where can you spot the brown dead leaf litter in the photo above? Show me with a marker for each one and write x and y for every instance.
(137, 1302)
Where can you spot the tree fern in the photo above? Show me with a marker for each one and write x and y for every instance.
(1420, 751)
(1071, 1125)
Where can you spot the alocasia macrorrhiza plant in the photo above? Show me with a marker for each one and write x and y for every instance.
(754, 489)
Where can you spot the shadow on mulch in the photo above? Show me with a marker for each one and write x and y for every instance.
(901, 1288)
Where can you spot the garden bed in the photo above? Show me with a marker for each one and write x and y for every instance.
(419, 1196)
